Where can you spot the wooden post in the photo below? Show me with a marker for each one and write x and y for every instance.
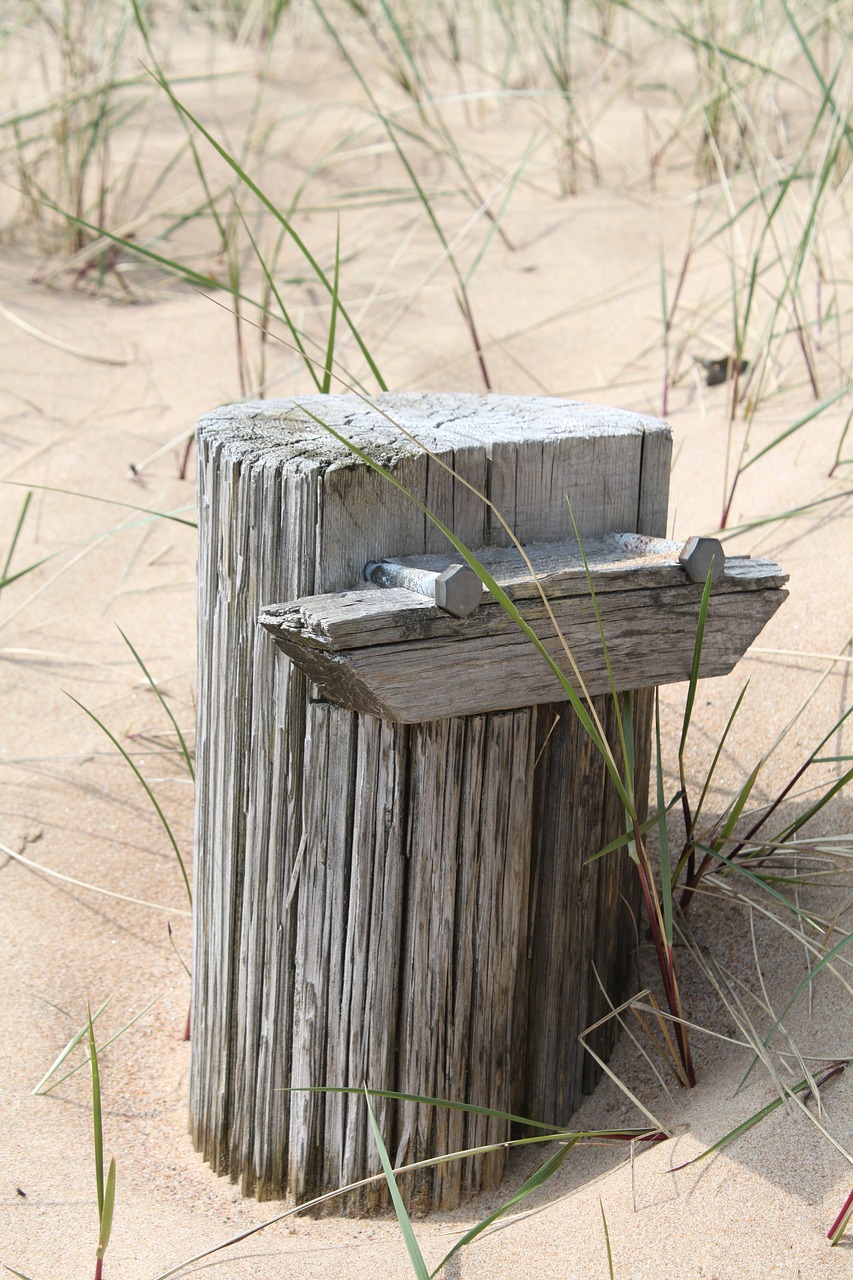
(403, 905)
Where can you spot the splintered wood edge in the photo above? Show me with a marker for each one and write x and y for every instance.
(650, 642)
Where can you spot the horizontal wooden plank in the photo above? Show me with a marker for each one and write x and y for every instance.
(372, 616)
(392, 654)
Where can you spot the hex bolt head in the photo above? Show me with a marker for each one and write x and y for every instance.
(697, 556)
(458, 590)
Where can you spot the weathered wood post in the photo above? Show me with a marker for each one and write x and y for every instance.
(397, 893)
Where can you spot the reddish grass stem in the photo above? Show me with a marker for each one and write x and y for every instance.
(845, 1209)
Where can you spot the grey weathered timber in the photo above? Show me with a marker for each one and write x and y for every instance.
(408, 906)
(391, 653)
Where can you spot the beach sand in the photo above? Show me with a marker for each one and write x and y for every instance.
(98, 402)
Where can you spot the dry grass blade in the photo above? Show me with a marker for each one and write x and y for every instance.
(116, 1036)
(72, 1044)
(462, 290)
(91, 888)
(25, 327)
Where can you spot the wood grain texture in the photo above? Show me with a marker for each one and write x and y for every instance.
(363, 890)
(382, 652)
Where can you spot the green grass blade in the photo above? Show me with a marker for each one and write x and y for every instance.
(690, 847)
(606, 1240)
(770, 213)
(171, 265)
(627, 755)
(150, 794)
(663, 834)
(416, 183)
(718, 753)
(496, 222)
(626, 722)
(405, 48)
(808, 814)
(427, 107)
(797, 426)
(308, 361)
(96, 1118)
(185, 752)
(762, 882)
(690, 700)
(790, 514)
(107, 1211)
(330, 346)
(628, 836)
(810, 58)
(199, 167)
(16, 533)
(839, 461)
(650, 1134)
(740, 1129)
(542, 1174)
(115, 1036)
(272, 207)
(22, 573)
(759, 1115)
(70, 1047)
(418, 1265)
(694, 673)
(737, 808)
(181, 961)
(721, 53)
(552, 1132)
(425, 1100)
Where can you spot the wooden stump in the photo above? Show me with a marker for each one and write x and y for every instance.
(403, 905)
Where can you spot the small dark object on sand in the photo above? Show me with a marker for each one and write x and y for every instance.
(720, 370)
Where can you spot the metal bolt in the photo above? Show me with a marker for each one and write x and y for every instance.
(456, 589)
(701, 555)
(695, 555)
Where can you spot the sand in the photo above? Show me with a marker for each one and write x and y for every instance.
(98, 402)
